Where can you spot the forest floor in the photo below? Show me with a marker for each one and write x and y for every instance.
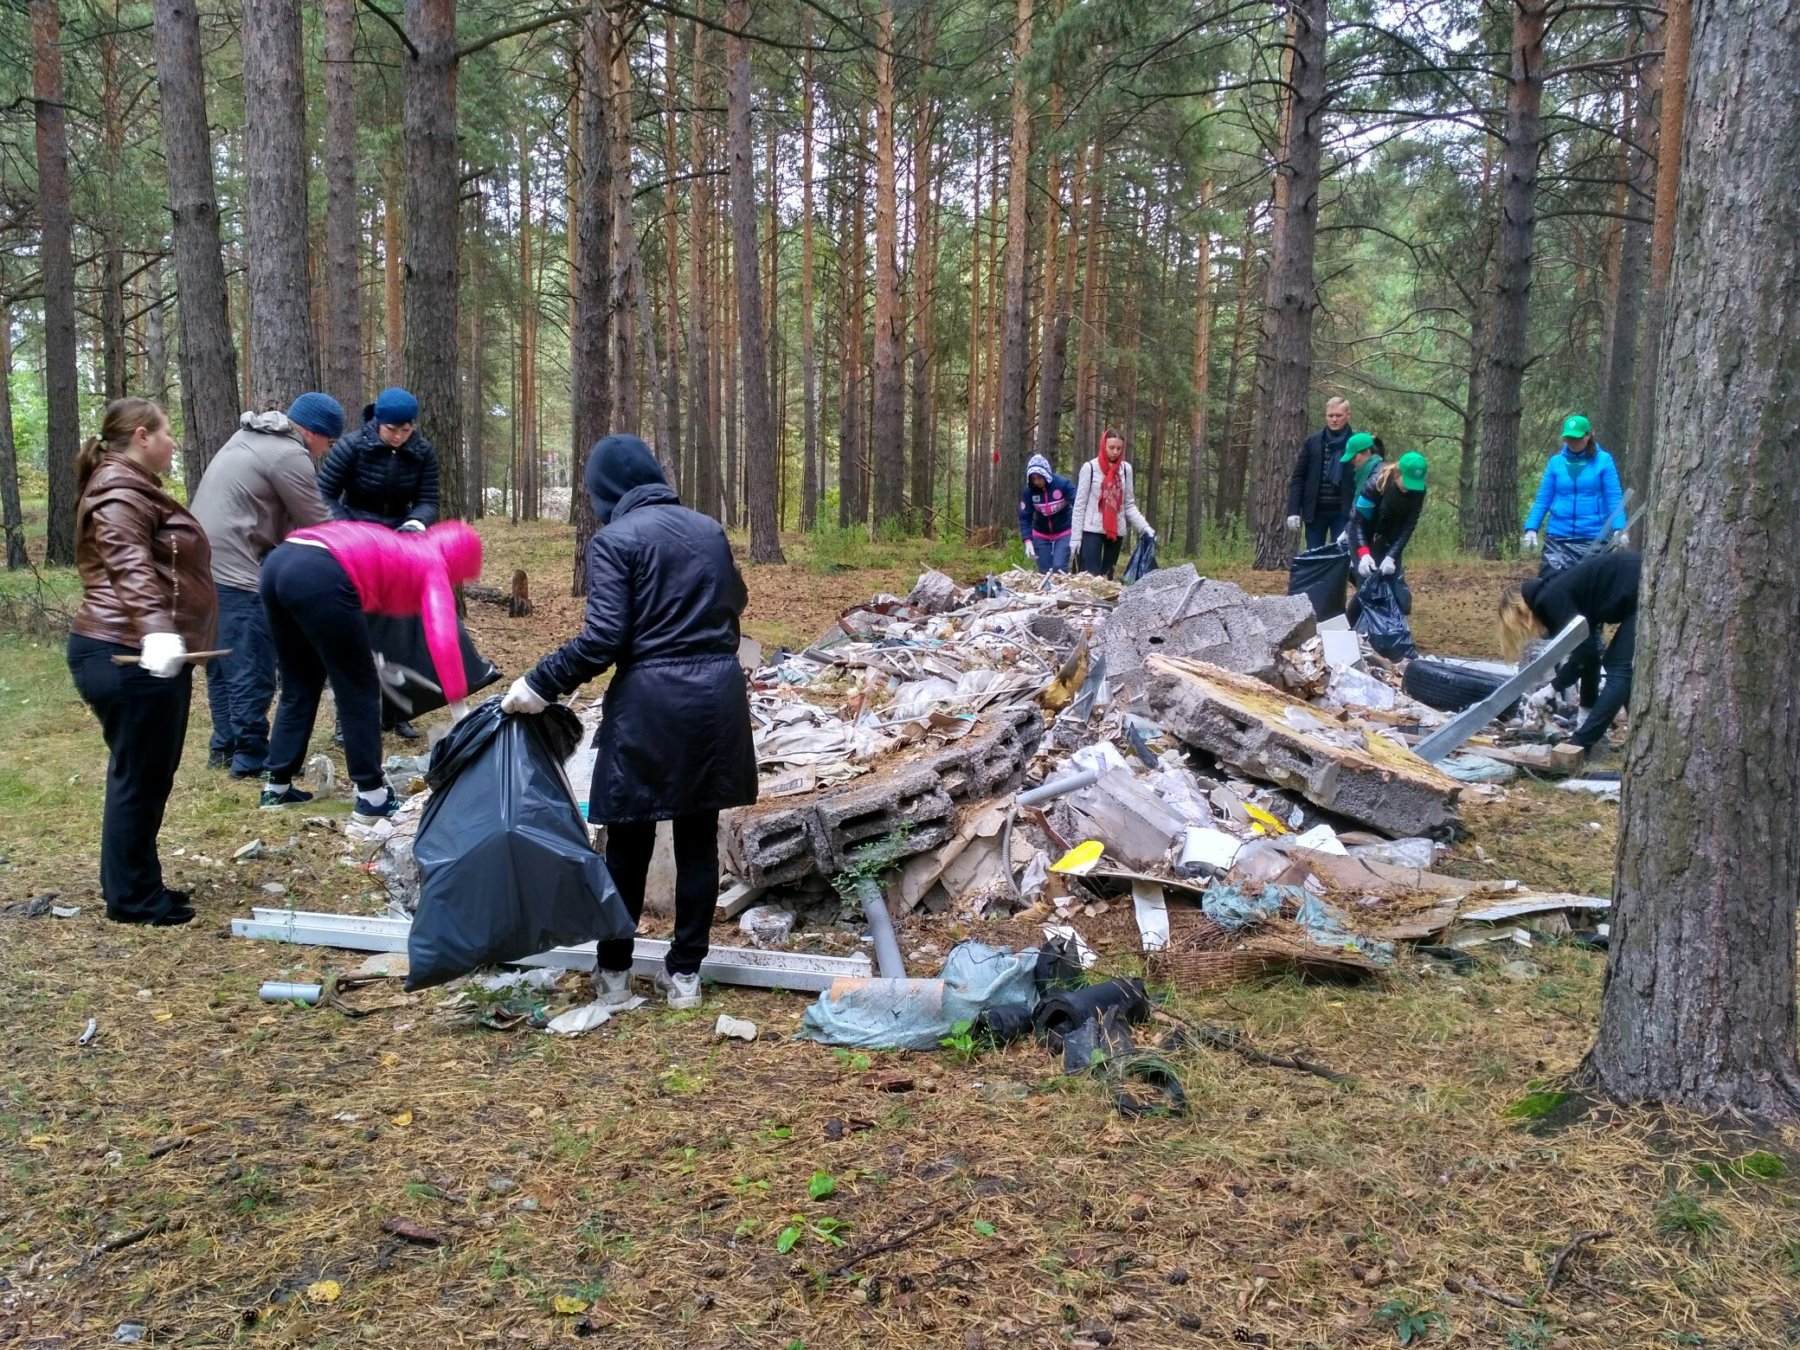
(227, 1172)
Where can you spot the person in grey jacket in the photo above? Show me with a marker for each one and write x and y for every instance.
(262, 484)
(1105, 502)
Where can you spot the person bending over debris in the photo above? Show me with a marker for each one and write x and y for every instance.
(1104, 502)
(1386, 512)
(147, 601)
(1602, 590)
(664, 598)
(318, 587)
(1046, 507)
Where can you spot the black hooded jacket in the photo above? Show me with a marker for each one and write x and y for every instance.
(664, 597)
(1602, 589)
(363, 478)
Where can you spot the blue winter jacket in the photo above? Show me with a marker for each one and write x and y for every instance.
(1580, 497)
(1047, 514)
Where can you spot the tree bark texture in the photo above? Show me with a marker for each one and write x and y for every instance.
(626, 268)
(924, 303)
(810, 475)
(759, 427)
(887, 431)
(56, 255)
(702, 399)
(1497, 489)
(112, 246)
(1011, 429)
(1284, 366)
(284, 358)
(590, 336)
(853, 505)
(433, 178)
(1202, 377)
(343, 363)
(1699, 1002)
(392, 304)
(1677, 31)
(12, 517)
(1612, 423)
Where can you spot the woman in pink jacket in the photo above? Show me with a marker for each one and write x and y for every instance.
(317, 587)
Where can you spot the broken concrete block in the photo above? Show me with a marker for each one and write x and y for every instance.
(1177, 612)
(767, 925)
(1244, 723)
(1136, 826)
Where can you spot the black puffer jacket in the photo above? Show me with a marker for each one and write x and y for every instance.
(664, 598)
(363, 479)
(1602, 590)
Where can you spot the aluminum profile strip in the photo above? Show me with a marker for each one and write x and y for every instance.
(749, 967)
(1476, 716)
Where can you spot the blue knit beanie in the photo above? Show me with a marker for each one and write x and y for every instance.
(318, 412)
(394, 406)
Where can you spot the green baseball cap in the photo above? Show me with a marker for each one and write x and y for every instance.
(1412, 471)
(1359, 444)
(1575, 427)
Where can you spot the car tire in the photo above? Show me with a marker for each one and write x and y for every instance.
(1450, 687)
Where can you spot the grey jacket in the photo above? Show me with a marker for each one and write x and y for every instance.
(260, 485)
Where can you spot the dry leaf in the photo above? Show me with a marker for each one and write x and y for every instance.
(164, 1016)
(324, 1291)
(412, 1232)
(404, 1118)
(568, 1305)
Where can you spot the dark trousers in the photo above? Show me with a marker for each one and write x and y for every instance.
(1615, 693)
(144, 720)
(628, 850)
(1326, 526)
(1099, 555)
(317, 624)
(240, 686)
(1585, 661)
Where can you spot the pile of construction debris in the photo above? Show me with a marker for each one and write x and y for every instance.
(1057, 753)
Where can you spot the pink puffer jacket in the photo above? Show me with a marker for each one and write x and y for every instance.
(405, 574)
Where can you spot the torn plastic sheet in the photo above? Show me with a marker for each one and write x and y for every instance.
(882, 1014)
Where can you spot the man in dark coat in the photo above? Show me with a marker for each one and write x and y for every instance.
(1317, 493)
(384, 471)
(664, 597)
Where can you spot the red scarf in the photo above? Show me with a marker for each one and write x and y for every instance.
(1112, 489)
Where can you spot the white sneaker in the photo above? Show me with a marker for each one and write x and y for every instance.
(612, 988)
(681, 991)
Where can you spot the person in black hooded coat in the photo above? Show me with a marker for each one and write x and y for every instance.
(664, 598)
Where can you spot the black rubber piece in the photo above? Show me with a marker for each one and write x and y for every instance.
(1154, 1073)
(1450, 688)
(1061, 1014)
(1459, 961)
(1009, 1022)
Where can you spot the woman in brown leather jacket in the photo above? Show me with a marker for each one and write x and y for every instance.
(146, 577)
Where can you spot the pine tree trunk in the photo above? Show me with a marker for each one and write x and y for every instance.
(156, 343)
(627, 416)
(433, 178)
(530, 449)
(1055, 365)
(888, 431)
(1284, 363)
(853, 508)
(1698, 1006)
(590, 329)
(1202, 377)
(972, 386)
(1612, 425)
(12, 517)
(1677, 29)
(702, 409)
(924, 477)
(1010, 468)
(810, 474)
(1497, 491)
(112, 247)
(343, 300)
(56, 255)
(1087, 368)
(284, 358)
(474, 381)
(209, 366)
(392, 293)
(1233, 461)
(672, 266)
(759, 428)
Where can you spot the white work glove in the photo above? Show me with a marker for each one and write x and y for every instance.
(412, 527)
(1387, 567)
(162, 654)
(1530, 541)
(1538, 700)
(459, 709)
(1294, 522)
(1343, 540)
(1622, 538)
(522, 698)
(1365, 565)
(1569, 700)
(1150, 535)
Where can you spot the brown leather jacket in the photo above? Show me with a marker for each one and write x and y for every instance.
(145, 564)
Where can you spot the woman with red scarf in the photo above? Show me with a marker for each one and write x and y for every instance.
(1104, 503)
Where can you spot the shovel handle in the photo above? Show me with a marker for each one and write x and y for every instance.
(124, 660)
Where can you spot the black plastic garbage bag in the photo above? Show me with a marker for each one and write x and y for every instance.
(1322, 575)
(409, 682)
(1381, 604)
(1143, 560)
(505, 867)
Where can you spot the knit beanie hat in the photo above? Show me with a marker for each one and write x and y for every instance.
(395, 406)
(320, 413)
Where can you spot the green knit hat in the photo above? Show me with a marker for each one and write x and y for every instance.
(1359, 444)
(1412, 471)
